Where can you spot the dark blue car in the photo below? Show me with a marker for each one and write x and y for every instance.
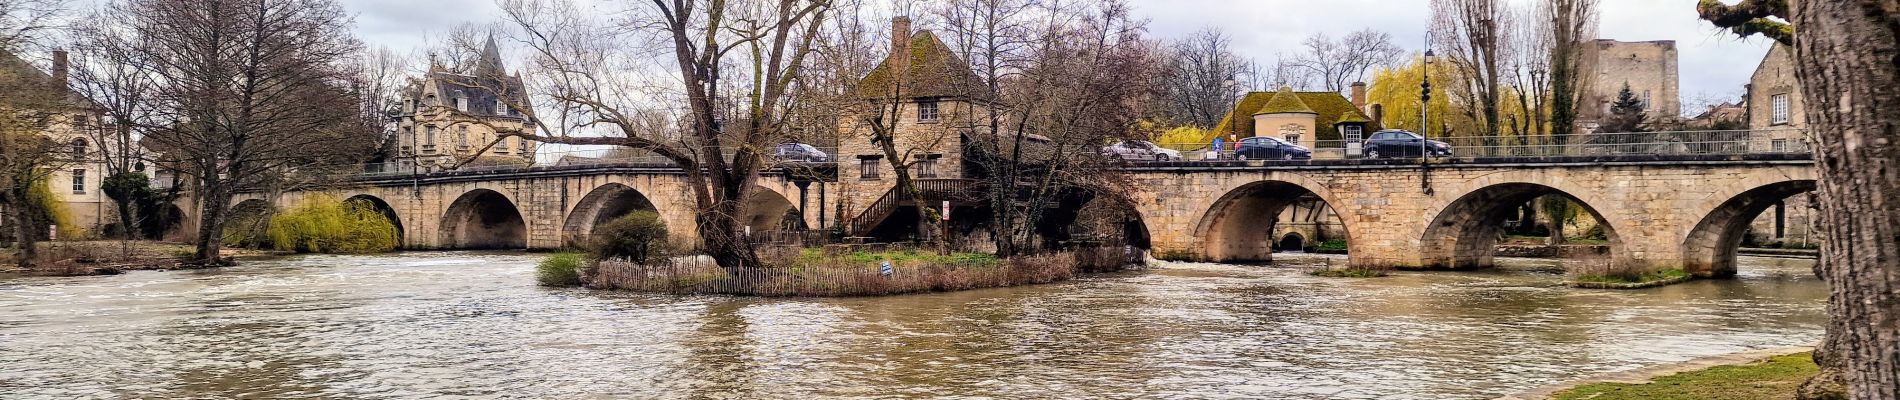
(1270, 148)
(1397, 143)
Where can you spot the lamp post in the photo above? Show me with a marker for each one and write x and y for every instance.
(1233, 121)
(1424, 123)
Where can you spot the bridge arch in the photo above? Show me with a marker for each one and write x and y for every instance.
(381, 207)
(483, 219)
(1239, 226)
(769, 210)
(604, 203)
(1464, 233)
(1710, 248)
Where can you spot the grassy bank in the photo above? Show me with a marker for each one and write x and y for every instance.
(1775, 378)
(811, 272)
(103, 257)
(1628, 279)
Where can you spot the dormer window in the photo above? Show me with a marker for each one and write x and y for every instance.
(461, 104)
(927, 111)
(501, 107)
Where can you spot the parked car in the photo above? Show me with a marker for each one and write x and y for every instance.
(1141, 150)
(799, 152)
(1270, 148)
(1397, 143)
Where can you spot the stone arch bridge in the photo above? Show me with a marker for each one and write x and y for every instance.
(1680, 212)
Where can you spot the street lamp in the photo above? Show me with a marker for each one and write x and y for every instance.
(1233, 117)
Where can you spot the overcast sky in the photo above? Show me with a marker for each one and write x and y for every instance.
(1712, 63)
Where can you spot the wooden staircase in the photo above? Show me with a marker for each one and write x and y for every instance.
(954, 190)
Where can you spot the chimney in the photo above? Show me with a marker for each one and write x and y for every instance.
(900, 44)
(59, 67)
(1359, 95)
(1378, 114)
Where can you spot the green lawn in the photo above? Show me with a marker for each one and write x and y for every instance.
(1773, 379)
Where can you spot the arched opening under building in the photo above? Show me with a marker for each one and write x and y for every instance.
(603, 204)
(1243, 225)
(483, 219)
(1293, 242)
(1465, 233)
(1711, 247)
(247, 224)
(162, 222)
(380, 207)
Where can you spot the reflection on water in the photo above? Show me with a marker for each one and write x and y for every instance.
(473, 324)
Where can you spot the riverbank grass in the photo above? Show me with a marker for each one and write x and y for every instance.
(832, 273)
(1772, 379)
(561, 269)
(1632, 280)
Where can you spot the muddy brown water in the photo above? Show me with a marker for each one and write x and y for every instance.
(455, 325)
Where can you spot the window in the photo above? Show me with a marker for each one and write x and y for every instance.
(501, 107)
(868, 168)
(1355, 133)
(461, 136)
(1778, 145)
(79, 148)
(461, 104)
(502, 144)
(1780, 104)
(431, 135)
(1646, 99)
(82, 122)
(79, 181)
(927, 111)
(927, 167)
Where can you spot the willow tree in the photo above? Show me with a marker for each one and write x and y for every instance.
(1845, 60)
(726, 71)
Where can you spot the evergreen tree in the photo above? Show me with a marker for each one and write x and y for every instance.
(1626, 114)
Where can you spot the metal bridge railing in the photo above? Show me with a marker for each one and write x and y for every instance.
(1734, 142)
(569, 158)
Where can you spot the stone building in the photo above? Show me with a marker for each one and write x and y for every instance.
(1776, 115)
(75, 180)
(1725, 116)
(1649, 69)
(1322, 121)
(931, 100)
(448, 116)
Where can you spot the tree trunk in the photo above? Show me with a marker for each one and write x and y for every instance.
(216, 203)
(1845, 58)
(1557, 210)
(128, 219)
(25, 230)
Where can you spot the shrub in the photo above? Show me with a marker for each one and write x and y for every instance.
(323, 224)
(47, 210)
(563, 269)
(639, 237)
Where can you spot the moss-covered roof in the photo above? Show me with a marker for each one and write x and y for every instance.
(1331, 109)
(1285, 101)
(935, 71)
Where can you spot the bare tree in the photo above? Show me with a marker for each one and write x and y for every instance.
(1845, 63)
(1570, 26)
(736, 63)
(1336, 64)
(108, 69)
(251, 94)
(1204, 75)
(1473, 35)
(1080, 77)
(22, 21)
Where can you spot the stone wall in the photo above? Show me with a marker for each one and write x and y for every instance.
(1775, 77)
(1649, 68)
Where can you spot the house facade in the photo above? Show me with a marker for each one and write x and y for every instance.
(1649, 69)
(1322, 121)
(1776, 114)
(75, 179)
(448, 117)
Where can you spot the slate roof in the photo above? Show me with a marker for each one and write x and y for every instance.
(487, 82)
(935, 71)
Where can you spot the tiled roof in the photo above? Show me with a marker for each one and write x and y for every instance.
(935, 71)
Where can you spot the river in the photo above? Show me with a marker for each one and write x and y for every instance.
(474, 325)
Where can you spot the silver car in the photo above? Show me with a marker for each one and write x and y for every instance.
(1141, 150)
